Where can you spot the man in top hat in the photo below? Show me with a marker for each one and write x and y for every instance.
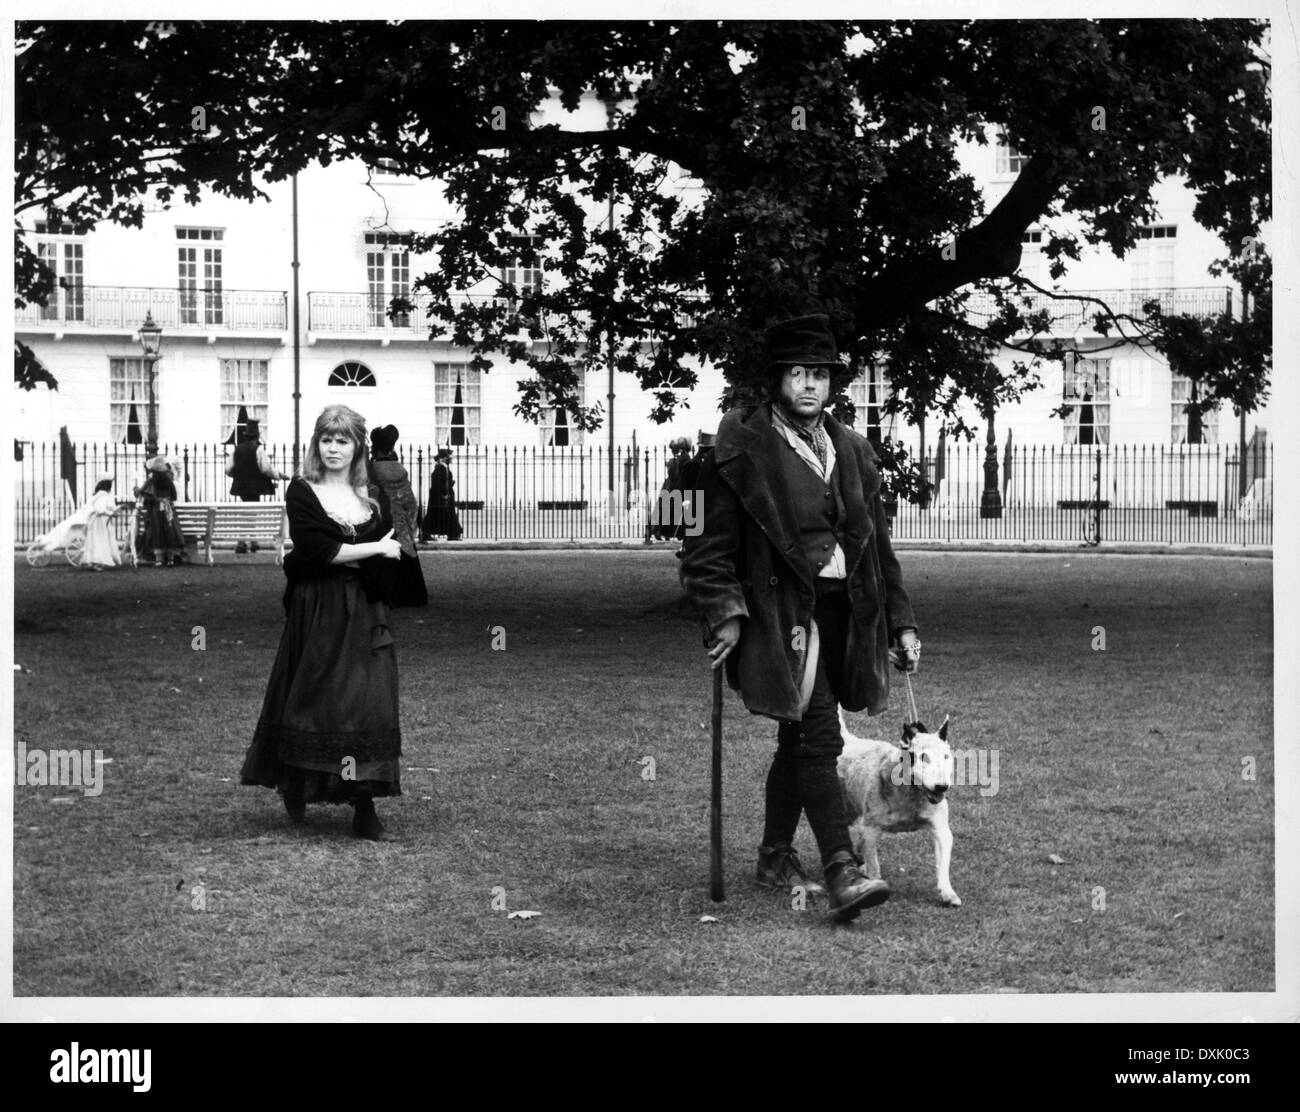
(440, 517)
(800, 595)
(254, 475)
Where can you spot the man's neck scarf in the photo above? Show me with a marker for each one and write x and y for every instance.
(814, 437)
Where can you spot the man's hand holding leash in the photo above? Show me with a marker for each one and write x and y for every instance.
(906, 655)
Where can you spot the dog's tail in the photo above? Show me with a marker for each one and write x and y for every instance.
(845, 732)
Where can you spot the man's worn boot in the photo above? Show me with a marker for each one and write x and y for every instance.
(850, 890)
(780, 867)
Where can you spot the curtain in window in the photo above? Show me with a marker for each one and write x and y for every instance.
(244, 389)
(127, 386)
(1072, 395)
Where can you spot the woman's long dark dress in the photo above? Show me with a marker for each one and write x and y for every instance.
(163, 538)
(387, 472)
(441, 518)
(330, 712)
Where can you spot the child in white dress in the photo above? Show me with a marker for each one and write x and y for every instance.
(101, 549)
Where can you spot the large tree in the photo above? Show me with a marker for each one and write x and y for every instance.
(826, 152)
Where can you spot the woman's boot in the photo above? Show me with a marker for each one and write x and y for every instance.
(365, 823)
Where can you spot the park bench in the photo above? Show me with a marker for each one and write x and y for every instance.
(212, 523)
(1193, 507)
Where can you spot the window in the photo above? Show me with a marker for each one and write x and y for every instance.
(128, 405)
(352, 374)
(557, 427)
(388, 275)
(387, 166)
(68, 261)
(524, 271)
(1031, 256)
(388, 239)
(1153, 257)
(1010, 160)
(1087, 393)
(54, 226)
(457, 404)
(1185, 427)
(868, 393)
(198, 275)
(244, 394)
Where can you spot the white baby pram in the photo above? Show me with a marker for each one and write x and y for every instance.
(69, 535)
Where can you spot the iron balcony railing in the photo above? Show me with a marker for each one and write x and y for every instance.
(360, 313)
(351, 312)
(1186, 494)
(119, 307)
(1073, 317)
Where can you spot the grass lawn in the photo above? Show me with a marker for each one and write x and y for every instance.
(524, 771)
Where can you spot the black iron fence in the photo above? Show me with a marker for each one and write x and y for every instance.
(1084, 494)
(1193, 494)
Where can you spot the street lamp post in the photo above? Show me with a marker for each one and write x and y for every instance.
(611, 109)
(150, 341)
(991, 498)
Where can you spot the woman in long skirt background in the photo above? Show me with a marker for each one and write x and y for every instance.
(387, 472)
(329, 731)
(162, 531)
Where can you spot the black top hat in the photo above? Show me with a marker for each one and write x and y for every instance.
(383, 438)
(252, 430)
(443, 453)
(802, 341)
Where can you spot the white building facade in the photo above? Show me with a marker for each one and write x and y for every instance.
(217, 278)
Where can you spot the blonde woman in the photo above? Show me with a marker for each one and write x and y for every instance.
(328, 731)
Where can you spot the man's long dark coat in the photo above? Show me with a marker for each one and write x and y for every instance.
(748, 562)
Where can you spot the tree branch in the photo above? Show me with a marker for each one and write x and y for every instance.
(991, 249)
(1118, 318)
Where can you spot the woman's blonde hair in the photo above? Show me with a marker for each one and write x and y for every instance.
(340, 419)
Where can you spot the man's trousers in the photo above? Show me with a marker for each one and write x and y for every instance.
(803, 776)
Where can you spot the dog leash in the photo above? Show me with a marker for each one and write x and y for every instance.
(911, 699)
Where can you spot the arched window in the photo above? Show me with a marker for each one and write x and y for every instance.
(352, 374)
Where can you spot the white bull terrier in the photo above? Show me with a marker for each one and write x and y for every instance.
(899, 788)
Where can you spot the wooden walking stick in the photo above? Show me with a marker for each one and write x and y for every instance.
(715, 802)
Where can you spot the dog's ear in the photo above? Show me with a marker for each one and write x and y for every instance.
(910, 730)
(943, 730)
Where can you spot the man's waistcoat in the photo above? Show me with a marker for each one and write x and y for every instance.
(819, 510)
